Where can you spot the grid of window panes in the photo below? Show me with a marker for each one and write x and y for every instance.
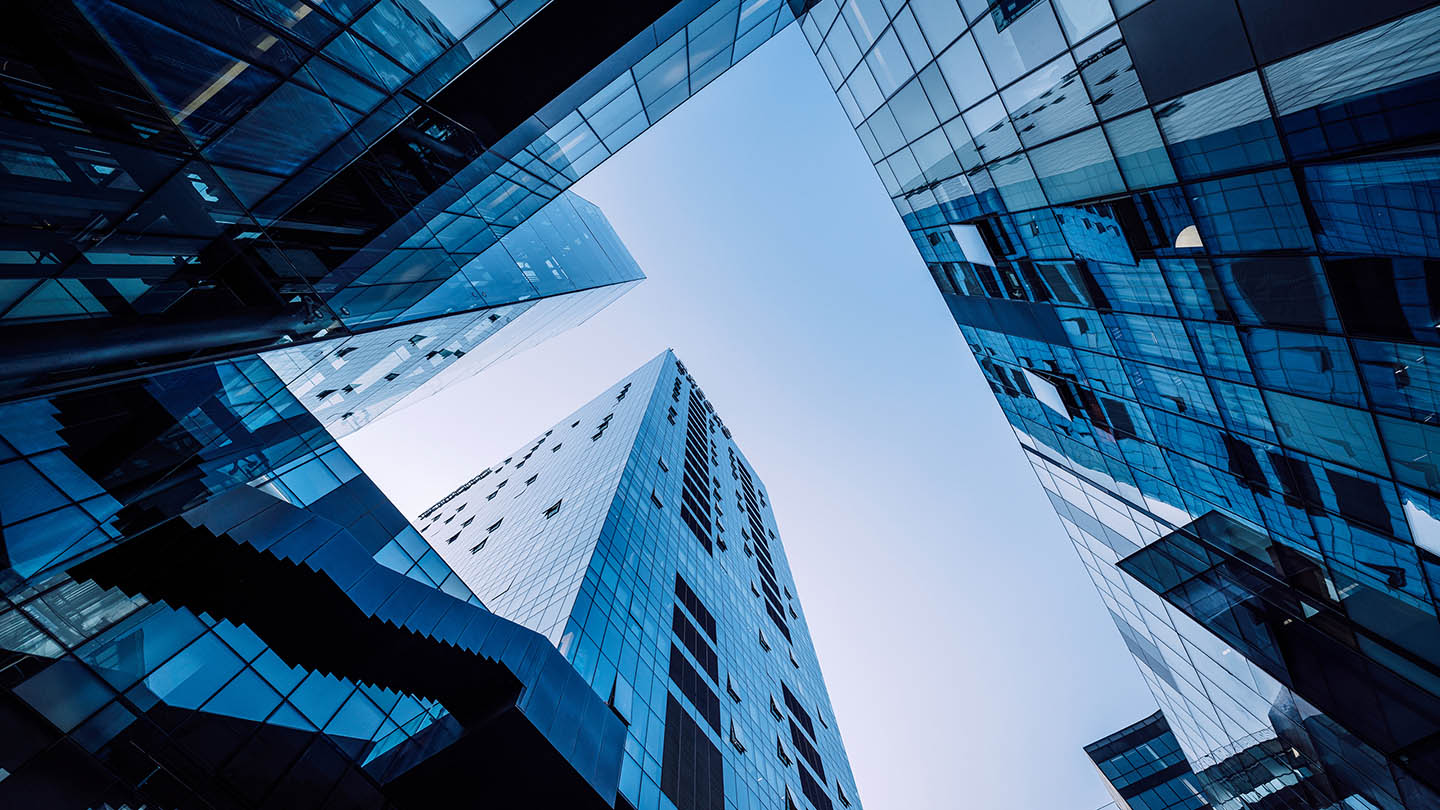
(498, 531)
(580, 535)
(95, 674)
(1192, 246)
(308, 150)
(1145, 765)
(767, 748)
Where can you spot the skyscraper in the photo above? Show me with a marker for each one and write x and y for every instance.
(233, 231)
(368, 195)
(292, 643)
(192, 182)
(1193, 248)
(1143, 768)
(637, 538)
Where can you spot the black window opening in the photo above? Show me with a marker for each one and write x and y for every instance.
(495, 525)
(692, 772)
(813, 791)
(735, 737)
(693, 604)
(798, 709)
(695, 643)
(479, 545)
(553, 510)
(806, 749)
(693, 686)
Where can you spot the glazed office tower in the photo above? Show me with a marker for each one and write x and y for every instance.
(638, 539)
(1144, 769)
(231, 231)
(1193, 246)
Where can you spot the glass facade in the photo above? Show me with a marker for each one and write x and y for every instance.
(292, 643)
(189, 180)
(1144, 769)
(350, 382)
(637, 538)
(234, 231)
(1192, 247)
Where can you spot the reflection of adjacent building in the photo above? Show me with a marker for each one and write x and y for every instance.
(229, 235)
(349, 383)
(1191, 245)
(1144, 769)
(639, 511)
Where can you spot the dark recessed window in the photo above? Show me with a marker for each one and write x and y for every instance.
(495, 525)
(478, 545)
(453, 537)
(692, 603)
(557, 447)
(655, 499)
(553, 510)
(692, 772)
(531, 479)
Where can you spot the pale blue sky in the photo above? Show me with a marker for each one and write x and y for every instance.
(967, 655)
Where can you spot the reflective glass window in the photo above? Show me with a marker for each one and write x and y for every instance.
(66, 692)
(1386, 207)
(913, 111)
(1077, 167)
(1277, 291)
(1025, 44)
(1305, 363)
(888, 63)
(1258, 211)
(940, 20)
(994, 135)
(1016, 182)
(1414, 451)
(1220, 129)
(1343, 435)
(1049, 102)
(1139, 151)
(1109, 74)
(1081, 18)
(965, 72)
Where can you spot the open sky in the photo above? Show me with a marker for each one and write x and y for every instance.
(967, 655)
